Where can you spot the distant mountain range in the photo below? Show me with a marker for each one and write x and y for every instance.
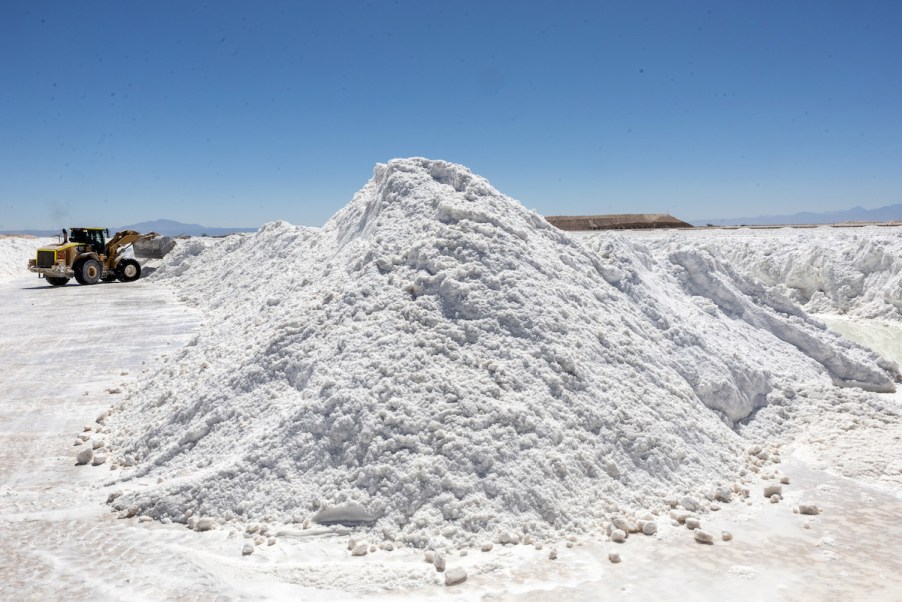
(858, 214)
(166, 227)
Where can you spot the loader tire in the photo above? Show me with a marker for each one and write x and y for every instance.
(76, 267)
(128, 270)
(54, 281)
(88, 271)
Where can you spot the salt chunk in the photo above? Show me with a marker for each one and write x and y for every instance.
(429, 556)
(455, 576)
(703, 536)
(552, 554)
(614, 557)
(98, 460)
(693, 523)
(618, 536)
(247, 549)
(784, 480)
(360, 549)
(680, 515)
(772, 490)
(204, 524)
(486, 546)
(689, 503)
(439, 562)
(84, 456)
(271, 541)
(650, 527)
(723, 494)
(726, 535)
(809, 509)
(775, 498)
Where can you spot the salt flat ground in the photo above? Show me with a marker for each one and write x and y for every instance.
(63, 349)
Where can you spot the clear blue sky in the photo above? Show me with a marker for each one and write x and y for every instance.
(234, 114)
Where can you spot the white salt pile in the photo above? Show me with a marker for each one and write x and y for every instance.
(439, 362)
(15, 251)
(853, 271)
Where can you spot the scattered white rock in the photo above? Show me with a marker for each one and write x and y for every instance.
(439, 562)
(703, 536)
(429, 556)
(726, 535)
(455, 575)
(693, 523)
(614, 557)
(772, 490)
(723, 494)
(360, 549)
(809, 509)
(247, 549)
(506, 538)
(486, 546)
(775, 498)
(618, 536)
(650, 527)
(272, 541)
(552, 554)
(204, 524)
(84, 456)
(680, 516)
(689, 503)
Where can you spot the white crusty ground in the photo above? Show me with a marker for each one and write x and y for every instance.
(449, 361)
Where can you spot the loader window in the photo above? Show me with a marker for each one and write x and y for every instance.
(95, 238)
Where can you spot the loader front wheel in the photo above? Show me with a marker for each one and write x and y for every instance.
(128, 270)
(53, 280)
(88, 271)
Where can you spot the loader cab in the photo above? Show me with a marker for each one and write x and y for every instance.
(93, 237)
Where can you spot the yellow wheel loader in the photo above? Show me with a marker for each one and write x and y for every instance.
(86, 255)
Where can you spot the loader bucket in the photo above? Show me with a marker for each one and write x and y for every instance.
(153, 248)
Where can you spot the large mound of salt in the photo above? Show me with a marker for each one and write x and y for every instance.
(447, 363)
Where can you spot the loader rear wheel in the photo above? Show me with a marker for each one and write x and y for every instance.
(128, 270)
(88, 271)
(53, 280)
